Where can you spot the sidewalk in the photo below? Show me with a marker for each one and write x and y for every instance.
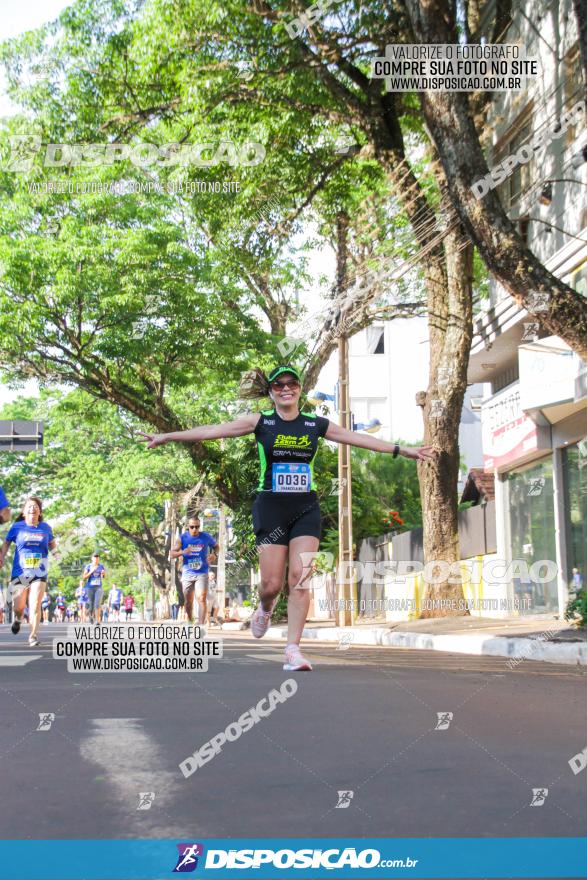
(542, 637)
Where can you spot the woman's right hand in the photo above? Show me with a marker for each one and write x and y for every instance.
(154, 440)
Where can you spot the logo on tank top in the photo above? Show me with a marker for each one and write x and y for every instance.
(292, 442)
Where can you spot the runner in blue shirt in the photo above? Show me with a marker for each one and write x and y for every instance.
(4, 507)
(115, 601)
(94, 574)
(81, 596)
(46, 607)
(33, 538)
(60, 608)
(194, 546)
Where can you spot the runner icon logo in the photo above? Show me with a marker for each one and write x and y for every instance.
(292, 442)
(187, 860)
(539, 795)
(344, 799)
(46, 719)
(146, 799)
(444, 719)
(531, 330)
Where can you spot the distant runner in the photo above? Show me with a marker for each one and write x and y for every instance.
(94, 574)
(81, 596)
(46, 607)
(194, 545)
(60, 607)
(114, 602)
(33, 538)
(212, 601)
(129, 603)
(286, 513)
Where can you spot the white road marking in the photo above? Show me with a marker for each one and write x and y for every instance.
(18, 659)
(132, 762)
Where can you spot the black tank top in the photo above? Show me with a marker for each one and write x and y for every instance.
(287, 450)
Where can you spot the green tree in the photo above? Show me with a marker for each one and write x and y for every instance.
(94, 472)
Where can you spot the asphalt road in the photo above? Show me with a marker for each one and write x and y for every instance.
(364, 721)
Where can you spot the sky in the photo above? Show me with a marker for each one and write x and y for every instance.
(15, 18)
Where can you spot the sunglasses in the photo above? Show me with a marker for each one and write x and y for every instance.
(279, 386)
(193, 527)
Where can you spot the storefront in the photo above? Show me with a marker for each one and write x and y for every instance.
(535, 442)
(575, 477)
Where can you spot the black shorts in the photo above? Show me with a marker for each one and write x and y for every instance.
(280, 516)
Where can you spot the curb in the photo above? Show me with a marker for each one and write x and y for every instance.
(517, 649)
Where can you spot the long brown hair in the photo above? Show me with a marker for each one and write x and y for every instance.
(254, 385)
(37, 501)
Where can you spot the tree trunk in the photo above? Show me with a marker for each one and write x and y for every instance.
(449, 290)
(580, 7)
(450, 122)
(451, 331)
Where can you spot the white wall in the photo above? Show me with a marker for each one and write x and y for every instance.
(384, 386)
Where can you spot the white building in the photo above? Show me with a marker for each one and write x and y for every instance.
(535, 415)
(388, 365)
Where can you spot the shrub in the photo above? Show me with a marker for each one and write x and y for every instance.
(577, 607)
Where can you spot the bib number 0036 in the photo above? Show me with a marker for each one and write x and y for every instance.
(291, 478)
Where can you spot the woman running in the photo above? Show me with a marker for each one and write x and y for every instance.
(286, 513)
(33, 539)
(46, 607)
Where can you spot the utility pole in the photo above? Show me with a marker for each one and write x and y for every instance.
(164, 596)
(221, 563)
(346, 591)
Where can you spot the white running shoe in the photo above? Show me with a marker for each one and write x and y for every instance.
(260, 622)
(295, 660)
(34, 642)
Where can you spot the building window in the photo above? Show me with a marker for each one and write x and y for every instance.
(520, 179)
(578, 280)
(524, 229)
(375, 340)
(575, 467)
(508, 377)
(531, 517)
(573, 88)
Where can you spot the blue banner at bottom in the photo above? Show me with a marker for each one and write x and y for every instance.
(282, 858)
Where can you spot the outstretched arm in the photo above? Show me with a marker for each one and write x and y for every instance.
(238, 428)
(365, 441)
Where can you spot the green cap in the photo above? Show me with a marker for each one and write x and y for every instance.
(278, 371)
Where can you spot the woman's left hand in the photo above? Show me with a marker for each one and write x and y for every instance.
(419, 453)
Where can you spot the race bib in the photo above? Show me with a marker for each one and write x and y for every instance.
(195, 564)
(291, 478)
(30, 559)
